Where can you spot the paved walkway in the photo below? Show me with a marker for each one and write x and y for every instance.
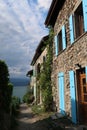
(28, 121)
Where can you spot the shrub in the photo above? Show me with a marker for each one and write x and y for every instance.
(4, 87)
(38, 109)
(5, 96)
(28, 98)
(15, 104)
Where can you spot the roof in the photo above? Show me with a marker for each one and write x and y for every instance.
(29, 73)
(39, 49)
(54, 9)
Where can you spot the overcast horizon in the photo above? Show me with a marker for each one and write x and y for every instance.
(21, 29)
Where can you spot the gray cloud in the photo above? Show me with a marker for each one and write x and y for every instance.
(21, 29)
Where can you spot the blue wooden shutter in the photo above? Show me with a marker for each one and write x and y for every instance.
(63, 37)
(73, 96)
(71, 29)
(85, 14)
(61, 92)
(86, 73)
(56, 45)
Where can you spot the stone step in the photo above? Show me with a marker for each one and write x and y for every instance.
(70, 128)
(81, 127)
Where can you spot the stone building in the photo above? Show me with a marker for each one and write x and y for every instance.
(38, 59)
(69, 73)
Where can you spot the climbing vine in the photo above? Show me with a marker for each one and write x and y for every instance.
(45, 75)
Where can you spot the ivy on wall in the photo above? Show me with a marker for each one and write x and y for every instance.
(45, 74)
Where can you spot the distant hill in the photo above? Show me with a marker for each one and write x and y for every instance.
(19, 81)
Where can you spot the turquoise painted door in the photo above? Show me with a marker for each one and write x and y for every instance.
(73, 96)
(61, 92)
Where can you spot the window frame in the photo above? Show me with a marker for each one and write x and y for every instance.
(60, 41)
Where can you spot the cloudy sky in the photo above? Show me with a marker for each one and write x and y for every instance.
(21, 29)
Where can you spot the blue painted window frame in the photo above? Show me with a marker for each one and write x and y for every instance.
(58, 47)
(71, 22)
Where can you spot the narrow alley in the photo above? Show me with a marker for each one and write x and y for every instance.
(28, 121)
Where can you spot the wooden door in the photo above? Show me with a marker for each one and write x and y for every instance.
(83, 99)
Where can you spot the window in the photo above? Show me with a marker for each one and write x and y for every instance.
(34, 71)
(38, 68)
(60, 41)
(78, 19)
(44, 59)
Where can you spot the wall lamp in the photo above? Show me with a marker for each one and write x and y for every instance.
(78, 65)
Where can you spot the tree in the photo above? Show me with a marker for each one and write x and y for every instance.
(5, 87)
(5, 95)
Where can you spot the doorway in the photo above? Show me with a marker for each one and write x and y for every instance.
(82, 96)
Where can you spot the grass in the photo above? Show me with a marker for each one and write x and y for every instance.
(38, 109)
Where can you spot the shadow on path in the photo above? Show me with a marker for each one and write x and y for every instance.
(28, 121)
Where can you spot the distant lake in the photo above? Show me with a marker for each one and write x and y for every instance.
(19, 91)
(20, 86)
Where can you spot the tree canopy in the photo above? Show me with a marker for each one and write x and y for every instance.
(5, 87)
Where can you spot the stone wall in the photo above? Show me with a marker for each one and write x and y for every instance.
(38, 61)
(40, 58)
(73, 54)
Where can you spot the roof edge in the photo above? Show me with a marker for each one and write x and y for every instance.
(37, 53)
